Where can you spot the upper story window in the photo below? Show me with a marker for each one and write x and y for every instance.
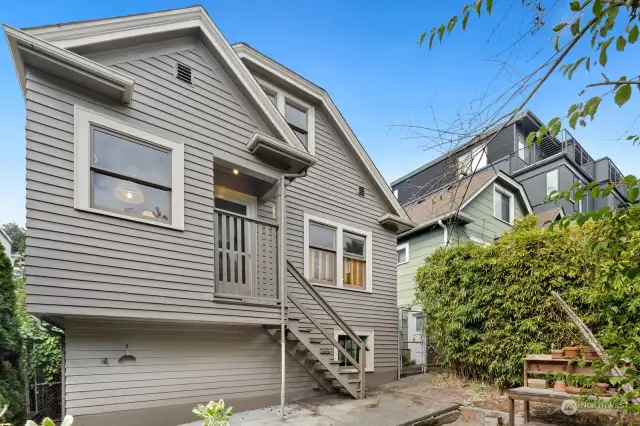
(298, 114)
(128, 173)
(472, 161)
(553, 183)
(337, 255)
(521, 146)
(403, 253)
(503, 204)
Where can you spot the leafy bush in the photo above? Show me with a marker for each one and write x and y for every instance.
(490, 306)
(11, 386)
(67, 421)
(214, 413)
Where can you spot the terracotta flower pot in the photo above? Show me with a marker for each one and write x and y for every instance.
(602, 388)
(574, 390)
(572, 352)
(556, 353)
(589, 354)
(560, 386)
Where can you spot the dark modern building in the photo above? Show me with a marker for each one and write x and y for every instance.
(554, 164)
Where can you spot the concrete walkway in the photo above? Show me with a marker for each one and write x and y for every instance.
(384, 407)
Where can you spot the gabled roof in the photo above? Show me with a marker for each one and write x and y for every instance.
(549, 216)
(66, 39)
(457, 195)
(256, 59)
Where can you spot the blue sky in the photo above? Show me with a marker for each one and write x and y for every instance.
(365, 55)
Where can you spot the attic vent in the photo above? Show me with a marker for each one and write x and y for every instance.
(183, 73)
(361, 191)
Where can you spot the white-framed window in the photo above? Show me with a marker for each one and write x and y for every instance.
(337, 255)
(472, 161)
(553, 183)
(298, 114)
(125, 172)
(354, 350)
(403, 253)
(395, 192)
(503, 204)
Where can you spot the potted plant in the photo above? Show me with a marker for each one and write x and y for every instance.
(574, 386)
(572, 352)
(589, 354)
(556, 353)
(559, 384)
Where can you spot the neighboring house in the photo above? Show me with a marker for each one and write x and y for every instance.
(5, 241)
(157, 160)
(479, 208)
(554, 164)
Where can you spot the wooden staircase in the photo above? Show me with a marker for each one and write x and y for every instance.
(313, 346)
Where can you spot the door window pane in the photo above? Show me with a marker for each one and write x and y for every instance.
(322, 236)
(129, 158)
(231, 206)
(123, 196)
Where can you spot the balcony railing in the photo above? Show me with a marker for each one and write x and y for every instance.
(246, 267)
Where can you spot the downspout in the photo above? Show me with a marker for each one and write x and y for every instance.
(446, 231)
(282, 267)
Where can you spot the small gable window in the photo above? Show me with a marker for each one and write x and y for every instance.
(503, 204)
(299, 115)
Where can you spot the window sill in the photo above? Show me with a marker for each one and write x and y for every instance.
(348, 288)
(402, 263)
(129, 218)
(503, 221)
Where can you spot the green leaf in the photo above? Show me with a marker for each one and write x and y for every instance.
(595, 191)
(588, 64)
(575, 6)
(591, 107)
(622, 95)
(575, 66)
(633, 34)
(633, 193)
(559, 27)
(465, 18)
(597, 7)
(433, 34)
(440, 32)
(489, 6)
(575, 27)
(630, 179)
(67, 421)
(573, 108)
(452, 23)
(478, 7)
(556, 44)
(421, 39)
(607, 190)
(530, 138)
(48, 422)
(621, 42)
(573, 119)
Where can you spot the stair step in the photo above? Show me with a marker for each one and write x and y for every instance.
(334, 361)
(320, 367)
(353, 381)
(295, 318)
(305, 329)
(325, 351)
(316, 341)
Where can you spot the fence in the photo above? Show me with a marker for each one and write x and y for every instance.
(416, 354)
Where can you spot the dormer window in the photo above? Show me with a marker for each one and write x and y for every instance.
(299, 115)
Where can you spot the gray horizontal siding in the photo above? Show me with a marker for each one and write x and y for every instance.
(485, 225)
(331, 190)
(174, 366)
(420, 247)
(80, 263)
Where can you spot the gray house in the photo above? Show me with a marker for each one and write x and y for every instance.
(202, 223)
(554, 164)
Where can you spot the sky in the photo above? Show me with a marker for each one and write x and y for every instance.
(365, 55)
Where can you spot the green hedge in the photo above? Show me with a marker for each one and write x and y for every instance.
(11, 386)
(487, 307)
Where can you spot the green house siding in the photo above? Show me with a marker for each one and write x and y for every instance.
(420, 246)
(485, 226)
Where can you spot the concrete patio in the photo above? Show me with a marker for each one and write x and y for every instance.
(391, 405)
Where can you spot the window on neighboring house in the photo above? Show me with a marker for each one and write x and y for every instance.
(299, 115)
(322, 253)
(395, 192)
(419, 321)
(503, 204)
(403, 253)
(521, 146)
(553, 183)
(337, 255)
(472, 161)
(126, 172)
(353, 349)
